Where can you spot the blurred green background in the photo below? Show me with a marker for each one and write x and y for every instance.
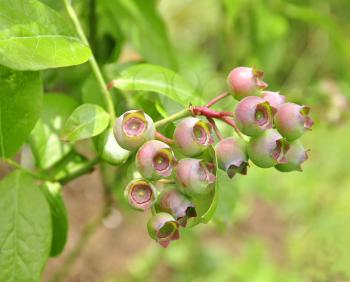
(271, 226)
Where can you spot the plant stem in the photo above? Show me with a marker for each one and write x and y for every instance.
(179, 115)
(217, 99)
(93, 63)
(215, 128)
(164, 139)
(85, 169)
(32, 173)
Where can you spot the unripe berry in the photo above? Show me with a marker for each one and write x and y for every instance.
(163, 228)
(140, 194)
(110, 150)
(254, 115)
(232, 157)
(194, 176)
(268, 149)
(275, 99)
(133, 128)
(177, 204)
(192, 136)
(295, 156)
(155, 160)
(245, 81)
(293, 120)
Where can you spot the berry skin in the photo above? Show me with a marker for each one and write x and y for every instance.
(163, 228)
(254, 115)
(133, 128)
(192, 136)
(110, 150)
(232, 157)
(140, 194)
(268, 149)
(295, 157)
(194, 177)
(244, 81)
(292, 120)
(275, 99)
(177, 204)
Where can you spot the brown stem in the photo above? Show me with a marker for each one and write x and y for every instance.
(217, 99)
(233, 124)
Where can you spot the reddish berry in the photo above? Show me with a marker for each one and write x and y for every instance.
(140, 194)
(268, 149)
(295, 157)
(133, 128)
(232, 157)
(194, 176)
(163, 228)
(245, 81)
(293, 120)
(177, 204)
(254, 115)
(275, 99)
(155, 160)
(192, 136)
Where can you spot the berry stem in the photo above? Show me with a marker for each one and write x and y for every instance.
(233, 124)
(93, 63)
(164, 139)
(184, 113)
(217, 99)
(215, 128)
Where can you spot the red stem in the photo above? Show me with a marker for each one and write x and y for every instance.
(163, 138)
(217, 99)
(215, 128)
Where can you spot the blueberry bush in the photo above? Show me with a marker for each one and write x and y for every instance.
(98, 85)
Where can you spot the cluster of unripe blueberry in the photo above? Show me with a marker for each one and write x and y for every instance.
(173, 171)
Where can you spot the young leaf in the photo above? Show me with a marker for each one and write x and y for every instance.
(86, 121)
(146, 77)
(52, 192)
(141, 24)
(20, 107)
(35, 37)
(45, 137)
(25, 229)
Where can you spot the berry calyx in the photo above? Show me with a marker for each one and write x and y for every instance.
(268, 149)
(295, 156)
(140, 194)
(231, 156)
(253, 115)
(133, 128)
(163, 228)
(192, 136)
(194, 177)
(177, 204)
(292, 120)
(245, 81)
(155, 160)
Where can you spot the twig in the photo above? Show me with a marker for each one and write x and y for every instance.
(16, 165)
(217, 99)
(93, 63)
(215, 128)
(174, 117)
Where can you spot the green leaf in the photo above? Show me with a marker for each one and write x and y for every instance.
(25, 229)
(45, 137)
(206, 205)
(35, 37)
(141, 24)
(86, 121)
(20, 107)
(146, 77)
(52, 192)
